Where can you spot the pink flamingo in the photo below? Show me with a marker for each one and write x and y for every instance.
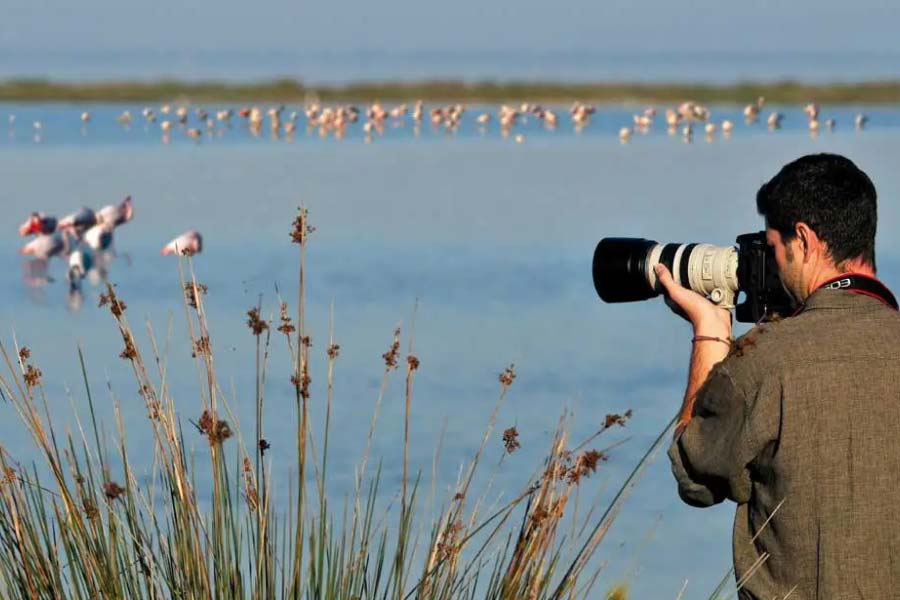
(38, 223)
(186, 244)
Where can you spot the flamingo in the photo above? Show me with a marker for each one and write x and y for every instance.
(79, 221)
(100, 236)
(46, 246)
(186, 244)
(116, 214)
(812, 111)
(38, 223)
(80, 262)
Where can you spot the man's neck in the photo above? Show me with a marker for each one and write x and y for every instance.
(826, 274)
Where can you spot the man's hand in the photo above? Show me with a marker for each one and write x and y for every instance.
(706, 317)
(708, 320)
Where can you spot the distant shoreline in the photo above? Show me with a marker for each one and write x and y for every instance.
(288, 90)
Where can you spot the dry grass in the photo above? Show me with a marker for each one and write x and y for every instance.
(82, 525)
(289, 90)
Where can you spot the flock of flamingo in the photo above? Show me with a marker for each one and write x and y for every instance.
(84, 241)
(689, 114)
(375, 118)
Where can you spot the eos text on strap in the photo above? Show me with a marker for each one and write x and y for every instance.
(862, 284)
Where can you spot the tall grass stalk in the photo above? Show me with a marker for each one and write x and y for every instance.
(79, 522)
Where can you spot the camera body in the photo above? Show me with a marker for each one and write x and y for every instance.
(623, 271)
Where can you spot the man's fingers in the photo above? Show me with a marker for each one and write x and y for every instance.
(665, 278)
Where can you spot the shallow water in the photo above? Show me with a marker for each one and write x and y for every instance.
(493, 239)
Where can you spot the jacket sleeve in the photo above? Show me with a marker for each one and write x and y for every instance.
(711, 456)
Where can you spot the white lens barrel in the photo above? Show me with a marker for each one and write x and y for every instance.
(707, 269)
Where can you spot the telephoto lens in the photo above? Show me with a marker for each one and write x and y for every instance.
(623, 269)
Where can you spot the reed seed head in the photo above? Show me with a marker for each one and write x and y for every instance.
(390, 357)
(192, 293)
(24, 354)
(90, 511)
(584, 466)
(201, 347)
(33, 376)
(301, 229)
(508, 376)
(130, 352)
(333, 351)
(511, 440)
(616, 419)
(215, 429)
(256, 324)
(112, 490)
(116, 307)
(9, 476)
(286, 327)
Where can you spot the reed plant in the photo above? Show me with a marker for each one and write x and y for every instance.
(79, 523)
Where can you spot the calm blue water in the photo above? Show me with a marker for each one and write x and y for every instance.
(493, 238)
(61, 125)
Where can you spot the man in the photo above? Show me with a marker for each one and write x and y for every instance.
(798, 422)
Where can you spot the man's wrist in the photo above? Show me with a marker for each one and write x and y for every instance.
(712, 331)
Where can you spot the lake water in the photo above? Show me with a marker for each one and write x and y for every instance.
(494, 240)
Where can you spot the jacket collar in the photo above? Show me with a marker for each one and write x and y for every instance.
(840, 300)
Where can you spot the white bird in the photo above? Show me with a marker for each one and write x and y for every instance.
(861, 121)
(727, 126)
(81, 261)
(625, 134)
(186, 244)
(116, 214)
(85, 117)
(100, 236)
(45, 246)
(79, 221)
(812, 111)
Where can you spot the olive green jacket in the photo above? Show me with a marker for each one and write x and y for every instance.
(800, 426)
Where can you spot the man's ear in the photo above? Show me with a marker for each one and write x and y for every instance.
(809, 241)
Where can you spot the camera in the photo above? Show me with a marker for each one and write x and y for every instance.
(623, 271)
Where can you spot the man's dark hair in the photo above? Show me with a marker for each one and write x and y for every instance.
(831, 195)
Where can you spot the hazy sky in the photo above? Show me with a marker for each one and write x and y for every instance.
(467, 25)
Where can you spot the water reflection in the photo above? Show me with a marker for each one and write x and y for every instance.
(84, 266)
